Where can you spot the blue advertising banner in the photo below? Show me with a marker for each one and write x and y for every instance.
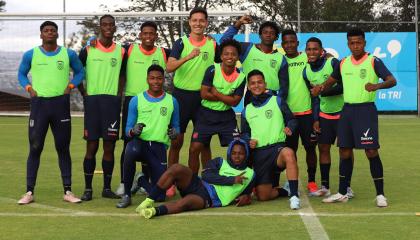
(396, 50)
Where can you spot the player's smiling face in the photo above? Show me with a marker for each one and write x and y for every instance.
(155, 80)
(108, 28)
(313, 50)
(356, 45)
(198, 23)
(290, 44)
(49, 34)
(229, 56)
(148, 36)
(238, 154)
(256, 84)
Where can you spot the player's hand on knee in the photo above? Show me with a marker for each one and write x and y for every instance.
(172, 133)
(137, 129)
(287, 131)
(243, 200)
(253, 143)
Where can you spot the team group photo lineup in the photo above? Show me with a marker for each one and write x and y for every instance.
(289, 98)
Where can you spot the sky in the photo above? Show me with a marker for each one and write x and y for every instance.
(23, 35)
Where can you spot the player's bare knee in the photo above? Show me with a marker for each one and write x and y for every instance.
(371, 153)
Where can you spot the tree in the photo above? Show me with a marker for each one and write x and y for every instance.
(2, 4)
(169, 28)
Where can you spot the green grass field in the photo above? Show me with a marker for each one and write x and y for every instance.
(51, 218)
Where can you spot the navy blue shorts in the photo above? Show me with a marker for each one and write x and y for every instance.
(265, 163)
(358, 126)
(196, 187)
(189, 103)
(151, 153)
(210, 122)
(54, 112)
(328, 128)
(126, 102)
(304, 130)
(102, 117)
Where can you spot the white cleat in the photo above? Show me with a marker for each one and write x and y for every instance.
(27, 198)
(350, 193)
(69, 197)
(381, 201)
(322, 192)
(338, 197)
(294, 203)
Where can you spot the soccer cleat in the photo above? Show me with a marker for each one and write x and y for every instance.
(120, 190)
(136, 186)
(338, 197)
(322, 192)
(69, 197)
(350, 193)
(170, 192)
(312, 188)
(147, 203)
(381, 201)
(148, 212)
(124, 202)
(107, 193)
(294, 203)
(87, 195)
(26, 199)
(142, 191)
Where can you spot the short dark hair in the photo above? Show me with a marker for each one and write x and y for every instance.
(199, 10)
(48, 23)
(148, 24)
(273, 25)
(288, 32)
(254, 72)
(155, 67)
(315, 39)
(230, 42)
(353, 32)
(106, 16)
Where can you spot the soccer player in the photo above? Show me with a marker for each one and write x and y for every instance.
(49, 91)
(261, 56)
(266, 122)
(358, 125)
(327, 110)
(222, 87)
(190, 57)
(139, 58)
(299, 101)
(149, 115)
(102, 103)
(222, 182)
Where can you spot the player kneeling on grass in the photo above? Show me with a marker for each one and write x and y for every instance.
(223, 182)
(266, 121)
(149, 115)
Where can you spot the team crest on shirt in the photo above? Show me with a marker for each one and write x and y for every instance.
(269, 114)
(60, 65)
(113, 62)
(163, 111)
(363, 73)
(155, 62)
(273, 63)
(205, 56)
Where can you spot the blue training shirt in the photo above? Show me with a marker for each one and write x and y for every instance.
(75, 64)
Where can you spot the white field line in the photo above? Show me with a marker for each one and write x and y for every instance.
(312, 224)
(62, 212)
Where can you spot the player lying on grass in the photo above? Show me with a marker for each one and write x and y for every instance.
(223, 182)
